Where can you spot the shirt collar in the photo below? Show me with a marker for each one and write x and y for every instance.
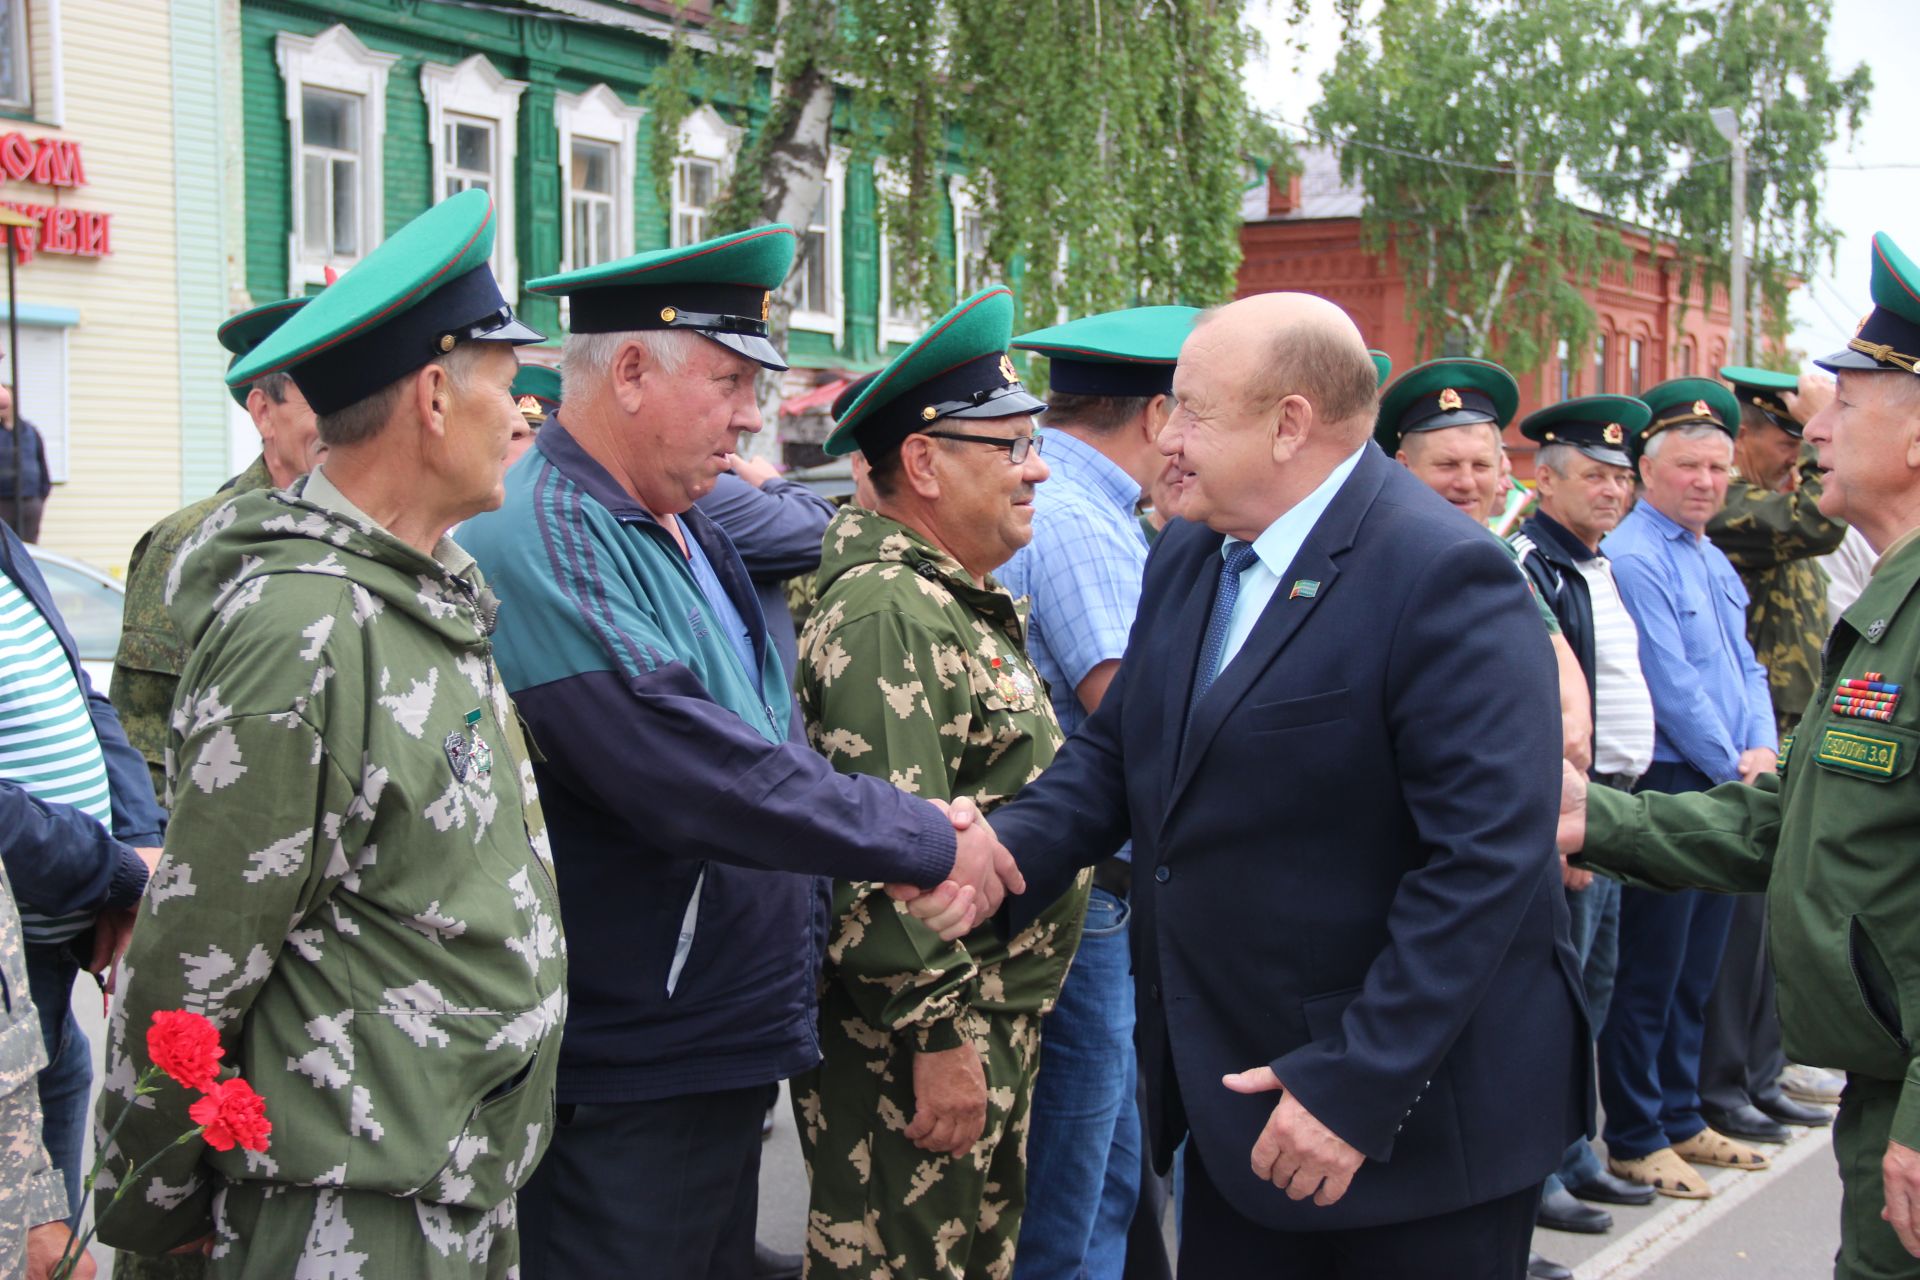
(1080, 464)
(1563, 538)
(1282, 539)
(322, 492)
(1666, 526)
(558, 446)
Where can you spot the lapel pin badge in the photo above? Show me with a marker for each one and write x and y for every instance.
(1304, 589)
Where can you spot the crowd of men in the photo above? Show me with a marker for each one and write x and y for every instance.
(471, 775)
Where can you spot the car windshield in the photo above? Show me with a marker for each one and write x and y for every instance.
(90, 608)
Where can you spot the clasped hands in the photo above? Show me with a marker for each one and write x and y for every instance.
(983, 874)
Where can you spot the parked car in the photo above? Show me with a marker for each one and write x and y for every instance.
(92, 602)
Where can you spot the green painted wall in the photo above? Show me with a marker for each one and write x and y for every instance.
(552, 57)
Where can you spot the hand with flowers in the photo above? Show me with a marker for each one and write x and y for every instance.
(186, 1048)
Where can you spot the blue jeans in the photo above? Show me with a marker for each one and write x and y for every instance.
(68, 1075)
(1595, 912)
(1650, 1043)
(1083, 1150)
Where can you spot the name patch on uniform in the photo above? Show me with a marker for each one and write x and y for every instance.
(1786, 751)
(1862, 753)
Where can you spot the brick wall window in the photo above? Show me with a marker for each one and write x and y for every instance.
(1602, 357)
(1563, 372)
(336, 96)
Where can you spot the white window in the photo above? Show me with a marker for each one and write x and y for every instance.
(472, 123)
(43, 379)
(901, 318)
(598, 134)
(707, 147)
(336, 105)
(16, 71)
(971, 270)
(816, 286)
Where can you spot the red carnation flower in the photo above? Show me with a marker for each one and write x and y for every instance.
(232, 1113)
(186, 1047)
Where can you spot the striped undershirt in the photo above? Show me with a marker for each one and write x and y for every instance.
(47, 744)
(1623, 708)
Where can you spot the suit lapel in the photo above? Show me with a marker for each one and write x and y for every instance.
(1185, 637)
(1281, 619)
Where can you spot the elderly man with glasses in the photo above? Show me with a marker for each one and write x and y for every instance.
(913, 668)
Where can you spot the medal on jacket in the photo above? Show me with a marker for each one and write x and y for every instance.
(468, 752)
(1869, 698)
(1014, 686)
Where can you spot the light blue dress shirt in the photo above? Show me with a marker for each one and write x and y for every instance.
(1082, 570)
(1710, 698)
(1275, 549)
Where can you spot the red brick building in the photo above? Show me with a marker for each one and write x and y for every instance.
(1303, 233)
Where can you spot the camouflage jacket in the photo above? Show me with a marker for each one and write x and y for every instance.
(910, 672)
(32, 1192)
(1772, 538)
(355, 888)
(147, 667)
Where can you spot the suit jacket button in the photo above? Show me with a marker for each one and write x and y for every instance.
(1162, 874)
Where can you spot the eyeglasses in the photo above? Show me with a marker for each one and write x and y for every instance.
(1017, 448)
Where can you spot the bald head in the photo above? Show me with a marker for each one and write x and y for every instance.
(1272, 393)
(1301, 344)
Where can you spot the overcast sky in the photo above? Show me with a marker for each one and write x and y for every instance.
(1881, 33)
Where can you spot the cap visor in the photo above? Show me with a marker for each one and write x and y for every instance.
(752, 346)
(1612, 457)
(1851, 359)
(512, 331)
(1011, 405)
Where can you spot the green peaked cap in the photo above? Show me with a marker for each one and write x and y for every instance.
(1451, 392)
(1681, 402)
(956, 369)
(1602, 427)
(536, 391)
(246, 330)
(1764, 390)
(1115, 353)
(720, 288)
(1382, 364)
(426, 289)
(1889, 338)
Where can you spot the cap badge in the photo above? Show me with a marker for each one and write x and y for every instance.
(766, 305)
(1449, 399)
(929, 413)
(529, 405)
(1613, 434)
(1007, 370)
(667, 315)
(1700, 407)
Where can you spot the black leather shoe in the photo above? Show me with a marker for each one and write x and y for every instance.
(1559, 1211)
(1607, 1189)
(771, 1264)
(1539, 1268)
(1788, 1111)
(1749, 1124)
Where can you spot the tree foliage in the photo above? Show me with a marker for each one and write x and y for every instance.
(1106, 135)
(1488, 134)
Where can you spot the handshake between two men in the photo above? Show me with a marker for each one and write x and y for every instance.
(983, 874)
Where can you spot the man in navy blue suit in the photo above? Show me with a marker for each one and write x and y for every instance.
(1335, 744)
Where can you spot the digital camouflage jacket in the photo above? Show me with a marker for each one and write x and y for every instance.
(146, 669)
(910, 672)
(355, 889)
(1772, 539)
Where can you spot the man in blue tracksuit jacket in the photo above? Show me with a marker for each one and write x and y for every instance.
(689, 829)
(67, 860)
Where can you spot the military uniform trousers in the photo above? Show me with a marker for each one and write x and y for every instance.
(880, 1206)
(270, 1231)
(1869, 1249)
